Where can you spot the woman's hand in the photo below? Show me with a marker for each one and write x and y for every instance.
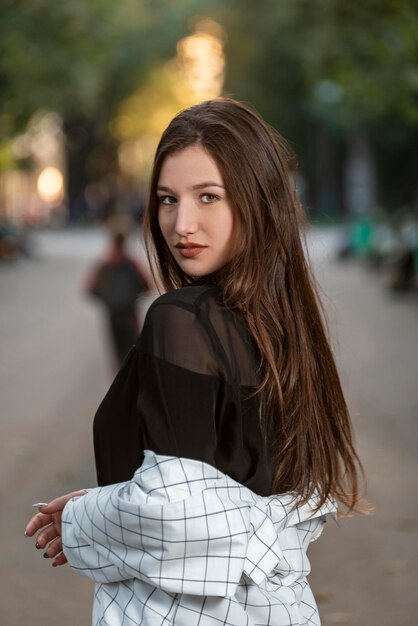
(48, 522)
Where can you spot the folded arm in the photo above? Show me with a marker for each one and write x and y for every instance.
(184, 527)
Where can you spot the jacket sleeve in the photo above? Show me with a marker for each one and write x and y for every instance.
(179, 534)
(81, 551)
(184, 527)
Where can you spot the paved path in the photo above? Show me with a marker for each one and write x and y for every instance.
(54, 369)
(365, 572)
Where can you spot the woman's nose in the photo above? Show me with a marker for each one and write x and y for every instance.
(186, 219)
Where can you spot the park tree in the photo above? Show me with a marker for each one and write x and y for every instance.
(81, 59)
(335, 77)
(329, 74)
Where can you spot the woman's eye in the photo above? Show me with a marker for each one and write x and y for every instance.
(168, 200)
(208, 197)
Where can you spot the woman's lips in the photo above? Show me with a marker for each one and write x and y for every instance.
(190, 249)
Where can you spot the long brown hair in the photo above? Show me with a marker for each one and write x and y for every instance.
(270, 283)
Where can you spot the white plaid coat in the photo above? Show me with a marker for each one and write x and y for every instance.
(184, 544)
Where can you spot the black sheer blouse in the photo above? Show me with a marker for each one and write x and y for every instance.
(186, 389)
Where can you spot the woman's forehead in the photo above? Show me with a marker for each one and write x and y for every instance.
(192, 165)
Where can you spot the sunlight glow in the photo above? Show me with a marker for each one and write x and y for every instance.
(50, 185)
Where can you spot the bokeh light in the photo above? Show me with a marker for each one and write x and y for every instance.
(50, 185)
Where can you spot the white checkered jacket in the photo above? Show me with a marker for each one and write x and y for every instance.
(184, 544)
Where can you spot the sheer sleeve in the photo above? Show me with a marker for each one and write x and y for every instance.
(116, 429)
(181, 383)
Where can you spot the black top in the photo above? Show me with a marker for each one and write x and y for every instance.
(186, 389)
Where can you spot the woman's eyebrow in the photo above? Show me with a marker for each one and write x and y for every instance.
(207, 184)
(198, 186)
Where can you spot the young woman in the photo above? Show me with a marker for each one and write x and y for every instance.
(229, 404)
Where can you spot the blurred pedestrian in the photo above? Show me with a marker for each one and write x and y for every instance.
(116, 283)
(225, 438)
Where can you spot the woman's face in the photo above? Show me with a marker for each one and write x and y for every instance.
(194, 214)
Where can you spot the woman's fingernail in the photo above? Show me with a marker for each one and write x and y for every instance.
(37, 546)
(38, 504)
(54, 564)
(45, 555)
(26, 534)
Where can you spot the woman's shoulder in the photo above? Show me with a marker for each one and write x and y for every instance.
(192, 298)
(177, 329)
(192, 325)
(184, 315)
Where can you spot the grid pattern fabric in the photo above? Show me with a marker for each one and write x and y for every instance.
(184, 544)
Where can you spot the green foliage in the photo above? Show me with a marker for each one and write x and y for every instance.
(342, 64)
(80, 58)
(338, 65)
(6, 157)
(345, 62)
(49, 55)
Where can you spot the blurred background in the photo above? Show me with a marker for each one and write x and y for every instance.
(86, 89)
